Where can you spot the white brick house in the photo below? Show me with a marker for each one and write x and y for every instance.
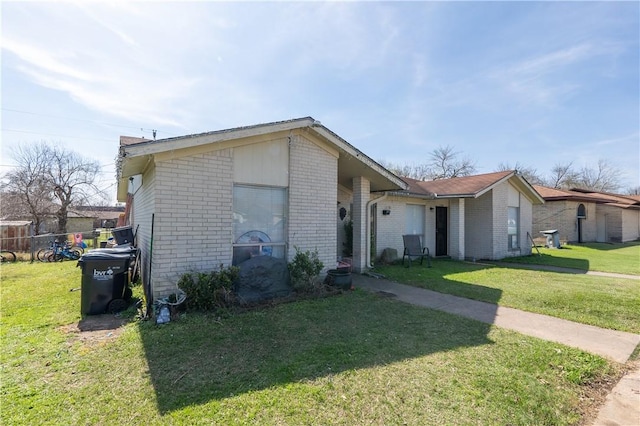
(199, 201)
(484, 216)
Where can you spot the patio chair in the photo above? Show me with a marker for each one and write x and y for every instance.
(413, 249)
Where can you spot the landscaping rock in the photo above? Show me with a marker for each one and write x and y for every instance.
(262, 278)
(389, 256)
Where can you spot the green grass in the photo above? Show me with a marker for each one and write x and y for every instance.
(601, 301)
(603, 257)
(349, 359)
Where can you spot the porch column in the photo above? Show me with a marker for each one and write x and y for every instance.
(457, 229)
(361, 195)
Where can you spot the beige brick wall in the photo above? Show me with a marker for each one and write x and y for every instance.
(193, 217)
(361, 195)
(630, 225)
(478, 238)
(456, 229)
(562, 215)
(313, 193)
(526, 218)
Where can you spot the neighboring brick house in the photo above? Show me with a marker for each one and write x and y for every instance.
(203, 200)
(485, 216)
(588, 216)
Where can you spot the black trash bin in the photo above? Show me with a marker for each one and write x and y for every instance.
(123, 235)
(105, 280)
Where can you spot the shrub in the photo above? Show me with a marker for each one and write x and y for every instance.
(304, 269)
(209, 290)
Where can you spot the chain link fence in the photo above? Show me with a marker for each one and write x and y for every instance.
(19, 239)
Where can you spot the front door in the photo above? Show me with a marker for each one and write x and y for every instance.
(441, 231)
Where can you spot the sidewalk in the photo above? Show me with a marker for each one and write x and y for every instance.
(622, 406)
(612, 344)
(563, 270)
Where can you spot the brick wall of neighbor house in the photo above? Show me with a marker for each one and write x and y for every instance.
(454, 231)
(478, 239)
(526, 217)
(313, 183)
(391, 228)
(79, 224)
(193, 218)
(143, 209)
(500, 195)
(630, 225)
(613, 219)
(561, 215)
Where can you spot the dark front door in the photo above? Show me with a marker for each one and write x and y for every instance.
(441, 231)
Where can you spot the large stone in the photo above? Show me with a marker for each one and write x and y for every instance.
(262, 278)
(389, 256)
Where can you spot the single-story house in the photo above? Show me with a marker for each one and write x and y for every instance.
(588, 216)
(210, 199)
(486, 216)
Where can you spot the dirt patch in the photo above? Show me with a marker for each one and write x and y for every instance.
(595, 394)
(96, 329)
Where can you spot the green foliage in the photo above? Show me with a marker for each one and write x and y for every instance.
(304, 269)
(209, 290)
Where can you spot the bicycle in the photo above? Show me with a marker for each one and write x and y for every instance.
(7, 256)
(62, 252)
(44, 254)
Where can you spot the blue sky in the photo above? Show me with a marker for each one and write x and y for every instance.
(535, 83)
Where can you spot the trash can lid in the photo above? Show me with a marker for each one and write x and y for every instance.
(101, 255)
(126, 249)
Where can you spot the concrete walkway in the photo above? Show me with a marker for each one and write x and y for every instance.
(564, 270)
(615, 345)
(623, 404)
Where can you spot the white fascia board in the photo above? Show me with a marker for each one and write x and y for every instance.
(155, 147)
(354, 152)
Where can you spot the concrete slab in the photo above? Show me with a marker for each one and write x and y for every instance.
(622, 406)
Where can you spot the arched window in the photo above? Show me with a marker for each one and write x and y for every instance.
(582, 212)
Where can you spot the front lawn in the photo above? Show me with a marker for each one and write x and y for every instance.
(351, 359)
(603, 257)
(601, 301)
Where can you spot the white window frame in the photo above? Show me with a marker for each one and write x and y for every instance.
(276, 247)
(513, 230)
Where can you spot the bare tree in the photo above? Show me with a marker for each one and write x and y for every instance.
(633, 191)
(445, 163)
(563, 176)
(25, 190)
(45, 173)
(529, 173)
(413, 171)
(72, 178)
(605, 177)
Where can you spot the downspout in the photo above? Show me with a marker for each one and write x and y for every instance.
(368, 219)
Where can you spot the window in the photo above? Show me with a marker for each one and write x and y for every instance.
(414, 223)
(259, 222)
(513, 225)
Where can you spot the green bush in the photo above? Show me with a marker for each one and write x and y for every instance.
(304, 269)
(209, 290)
